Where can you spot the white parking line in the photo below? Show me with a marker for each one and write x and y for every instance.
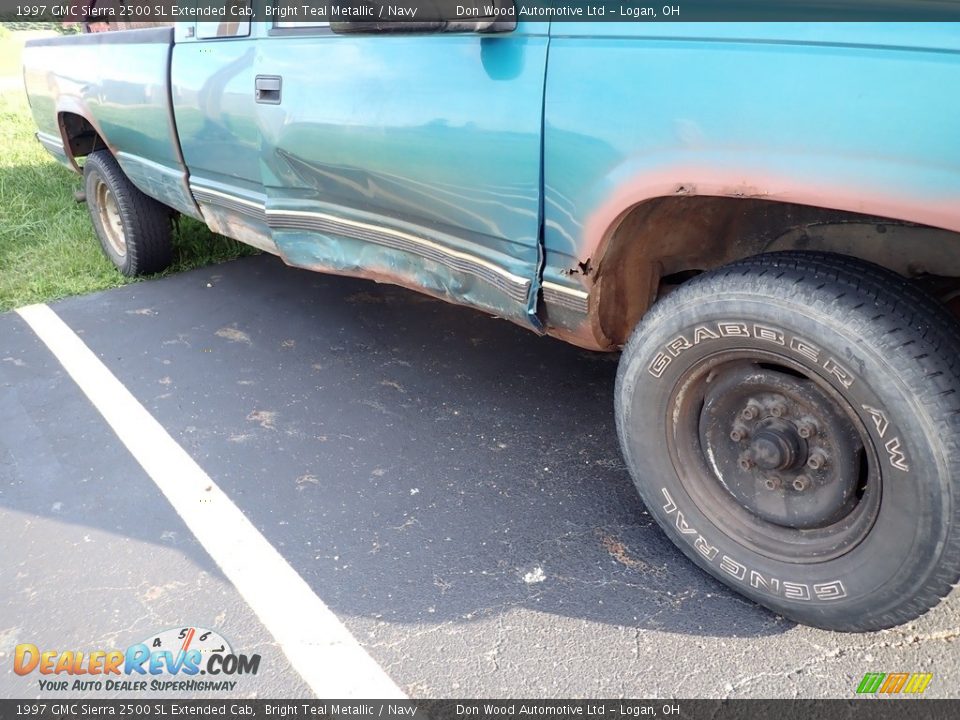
(317, 644)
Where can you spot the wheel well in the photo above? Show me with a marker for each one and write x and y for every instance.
(656, 245)
(79, 135)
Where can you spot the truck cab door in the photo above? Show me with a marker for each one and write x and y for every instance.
(212, 87)
(411, 158)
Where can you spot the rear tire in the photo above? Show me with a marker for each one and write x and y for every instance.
(791, 421)
(133, 229)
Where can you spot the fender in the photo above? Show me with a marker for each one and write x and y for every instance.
(820, 122)
(900, 191)
(126, 102)
(169, 185)
(75, 106)
(874, 187)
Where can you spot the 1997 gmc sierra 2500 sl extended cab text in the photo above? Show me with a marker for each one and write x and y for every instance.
(764, 218)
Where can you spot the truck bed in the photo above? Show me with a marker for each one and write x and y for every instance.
(123, 95)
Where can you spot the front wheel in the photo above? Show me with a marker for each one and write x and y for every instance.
(791, 421)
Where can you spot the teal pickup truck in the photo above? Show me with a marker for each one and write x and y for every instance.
(763, 218)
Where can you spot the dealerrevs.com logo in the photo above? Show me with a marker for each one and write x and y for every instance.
(183, 653)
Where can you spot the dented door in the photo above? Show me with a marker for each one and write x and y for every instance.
(411, 159)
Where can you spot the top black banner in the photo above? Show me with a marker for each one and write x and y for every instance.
(306, 14)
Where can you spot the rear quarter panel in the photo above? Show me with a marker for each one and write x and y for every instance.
(119, 82)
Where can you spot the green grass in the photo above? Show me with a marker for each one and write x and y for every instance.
(48, 249)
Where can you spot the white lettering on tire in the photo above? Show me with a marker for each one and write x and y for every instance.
(897, 458)
(800, 346)
(788, 589)
(879, 419)
(767, 333)
(895, 453)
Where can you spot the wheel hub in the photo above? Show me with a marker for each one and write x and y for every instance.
(776, 447)
(780, 447)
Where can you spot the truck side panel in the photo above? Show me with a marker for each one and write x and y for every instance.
(412, 159)
(118, 82)
(409, 159)
(855, 117)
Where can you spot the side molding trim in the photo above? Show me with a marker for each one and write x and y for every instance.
(565, 297)
(514, 286)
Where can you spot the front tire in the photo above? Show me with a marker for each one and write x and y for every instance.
(791, 421)
(133, 229)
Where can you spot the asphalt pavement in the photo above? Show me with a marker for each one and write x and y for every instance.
(448, 484)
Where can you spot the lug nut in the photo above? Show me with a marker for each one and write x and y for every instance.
(749, 412)
(739, 433)
(801, 483)
(778, 410)
(745, 463)
(816, 460)
(806, 430)
(772, 483)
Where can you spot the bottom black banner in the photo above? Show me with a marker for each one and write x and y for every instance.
(865, 708)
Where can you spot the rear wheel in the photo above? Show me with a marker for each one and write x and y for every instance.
(133, 229)
(791, 421)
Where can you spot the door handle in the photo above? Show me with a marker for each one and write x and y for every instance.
(267, 89)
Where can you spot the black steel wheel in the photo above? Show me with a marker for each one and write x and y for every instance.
(791, 421)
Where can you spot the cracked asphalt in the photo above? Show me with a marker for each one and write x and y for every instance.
(448, 484)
